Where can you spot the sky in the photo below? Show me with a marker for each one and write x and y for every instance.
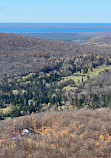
(55, 11)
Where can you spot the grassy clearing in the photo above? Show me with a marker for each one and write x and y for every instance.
(7, 118)
(77, 77)
(97, 70)
(66, 88)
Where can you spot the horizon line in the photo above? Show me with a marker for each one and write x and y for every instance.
(61, 22)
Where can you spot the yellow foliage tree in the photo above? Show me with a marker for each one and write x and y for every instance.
(101, 137)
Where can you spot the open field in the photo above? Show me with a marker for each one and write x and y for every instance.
(78, 76)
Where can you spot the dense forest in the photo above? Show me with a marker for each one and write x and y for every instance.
(39, 75)
(83, 133)
(80, 81)
(55, 98)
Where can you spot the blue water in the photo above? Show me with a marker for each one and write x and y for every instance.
(53, 28)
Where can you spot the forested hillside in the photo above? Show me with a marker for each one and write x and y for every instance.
(83, 133)
(55, 98)
(24, 54)
(39, 75)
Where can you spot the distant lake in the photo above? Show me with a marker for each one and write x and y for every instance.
(54, 27)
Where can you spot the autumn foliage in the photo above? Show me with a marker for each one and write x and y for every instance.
(74, 134)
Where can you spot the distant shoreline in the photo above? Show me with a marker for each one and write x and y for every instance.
(54, 27)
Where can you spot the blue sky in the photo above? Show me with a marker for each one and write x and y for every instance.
(56, 11)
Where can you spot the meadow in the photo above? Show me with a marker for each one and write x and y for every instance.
(77, 77)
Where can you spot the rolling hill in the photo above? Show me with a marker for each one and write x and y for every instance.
(83, 133)
(20, 53)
